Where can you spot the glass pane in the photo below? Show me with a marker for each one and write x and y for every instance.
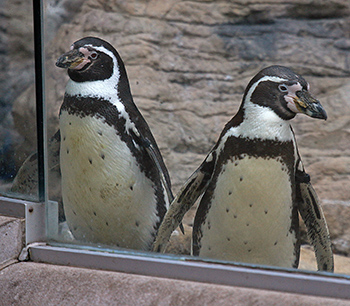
(17, 103)
(188, 70)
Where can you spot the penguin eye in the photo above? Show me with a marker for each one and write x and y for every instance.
(93, 55)
(282, 88)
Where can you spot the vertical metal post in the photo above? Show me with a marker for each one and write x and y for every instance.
(40, 98)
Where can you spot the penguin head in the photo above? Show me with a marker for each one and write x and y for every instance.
(283, 91)
(91, 59)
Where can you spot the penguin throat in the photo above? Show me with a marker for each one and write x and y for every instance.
(263, 122)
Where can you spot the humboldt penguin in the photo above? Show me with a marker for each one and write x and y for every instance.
(253, 183)
(115, 185)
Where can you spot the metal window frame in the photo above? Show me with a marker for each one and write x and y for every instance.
(184, 268)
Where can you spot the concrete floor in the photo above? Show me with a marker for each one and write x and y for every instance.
(29, 283)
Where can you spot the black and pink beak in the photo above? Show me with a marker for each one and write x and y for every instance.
(308, 105)
(73, 59)
(299, 100)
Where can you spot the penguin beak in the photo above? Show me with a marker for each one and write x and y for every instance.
(72, 59)
(308, 105)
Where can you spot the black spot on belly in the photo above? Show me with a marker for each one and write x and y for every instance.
(266, 211)
(249, 250)
(107, 224)
(275, 243)
(230, 192)
(90, 161)
(67, 151)
(209, 248)
(245, 242)
(227, 210)
(64, 138)
(209, 225)
(247, 224)
(228, 239)
(251, 205)
(74, 212)
(94, 213)
(131, 188)
(102, 156)
(235, 216)
(137, 223)
(99, 133)
(241, 179)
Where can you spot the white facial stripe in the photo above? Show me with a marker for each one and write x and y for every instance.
(264, 79)
(105, 89)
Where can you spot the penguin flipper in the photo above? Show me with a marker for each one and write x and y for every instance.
(152, 153)
(184, 200)
(313, 217)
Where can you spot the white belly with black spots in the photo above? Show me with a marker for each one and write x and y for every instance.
(250, 215)
(107, 199)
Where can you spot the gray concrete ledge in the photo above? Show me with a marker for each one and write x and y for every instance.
(11, 238)
(31, 283)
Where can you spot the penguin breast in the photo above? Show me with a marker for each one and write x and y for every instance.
(250, 214)
(107, 198)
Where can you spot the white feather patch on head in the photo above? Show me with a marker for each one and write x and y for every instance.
(105, 89)
(264, 79)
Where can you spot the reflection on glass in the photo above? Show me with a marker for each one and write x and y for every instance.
(17, 105)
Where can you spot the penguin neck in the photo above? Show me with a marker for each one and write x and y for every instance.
(107, 90)
(102, 89)
(260, 122)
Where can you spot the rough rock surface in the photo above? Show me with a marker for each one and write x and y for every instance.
(189, 62)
